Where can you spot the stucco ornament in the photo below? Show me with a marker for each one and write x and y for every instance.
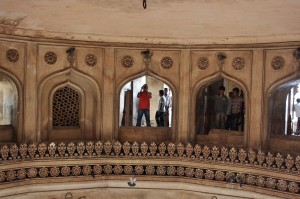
(150, 170)
(107, 147)
(50, 58)
(91, 60)
(12, 55)
(118, 169)
(203, 63)
(238, 63)
(127, 61)
(278, 63)
(166, 62)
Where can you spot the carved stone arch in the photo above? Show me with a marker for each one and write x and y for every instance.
(199, 86)
(90, 106)
(275, 96)
(171, 130)
(14, 133)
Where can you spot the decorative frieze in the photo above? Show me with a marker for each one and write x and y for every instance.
(165, 151)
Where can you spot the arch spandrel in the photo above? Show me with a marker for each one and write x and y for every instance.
(132, 63)
(236, 65)
(280, 65)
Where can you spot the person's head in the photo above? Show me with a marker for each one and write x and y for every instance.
(161, 92)
(298, 100)
(221, 90)
(145, 87)
(166, 91)
(236, 91)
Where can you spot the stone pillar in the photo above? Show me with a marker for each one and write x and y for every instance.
(30, 96)
(108, 99)
(183, 96)
(256, 101)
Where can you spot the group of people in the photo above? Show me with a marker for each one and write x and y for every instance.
(229, 111)
(162, 113)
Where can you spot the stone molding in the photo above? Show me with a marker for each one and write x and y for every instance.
(219, 164)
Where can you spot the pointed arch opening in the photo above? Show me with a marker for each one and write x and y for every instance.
(8, 109)
(220, 115)
(135, 112)
(284, 109)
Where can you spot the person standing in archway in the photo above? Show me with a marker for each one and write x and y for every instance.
(144, 105)
(297, 110)
(168, 106)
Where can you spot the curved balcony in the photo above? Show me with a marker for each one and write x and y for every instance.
(111, 164)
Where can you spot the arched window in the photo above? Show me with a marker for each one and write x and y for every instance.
(8, 109)
(283, 109)
(65, 112)
(129, 102)
(220, 106)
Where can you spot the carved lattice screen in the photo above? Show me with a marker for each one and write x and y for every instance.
(66, 108)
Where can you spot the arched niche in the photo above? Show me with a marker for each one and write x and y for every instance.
(10, 108)
(88, 93)
(204, 118)
(128, 108)
(281, 119)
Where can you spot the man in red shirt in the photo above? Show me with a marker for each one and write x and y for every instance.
(144, 105)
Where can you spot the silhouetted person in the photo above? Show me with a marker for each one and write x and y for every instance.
(168, 106)
(220, 107)
(228, 123)
(160, 115)
(236, 109)
(297, 110)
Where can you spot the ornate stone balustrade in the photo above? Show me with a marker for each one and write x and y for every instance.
(274, 173)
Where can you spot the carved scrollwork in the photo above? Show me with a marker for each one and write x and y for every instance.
(91, 60)
(180, 171)
(97, 170)
(171, 171)
(161, 170)
(277, 63)
(12, 55)
(50, 58)
(144, 149)
(180, 149)
(118, 169)
(203, 63)
(127, 61)
(150, 170)
(166, 62)
(117, 148)
(43, 172)
(139, 170)
(128, 170)
(107, 169)
(238, 63)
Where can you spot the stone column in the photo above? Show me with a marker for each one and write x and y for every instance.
(256, 101)
(108, 99)
(30, 96)
(183, 113)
